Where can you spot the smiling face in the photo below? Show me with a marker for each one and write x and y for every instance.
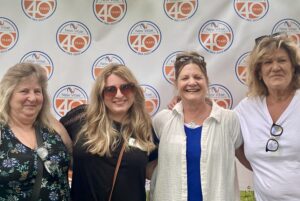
(192, 84)
(26, 100)
(119, 104)
(277, 71)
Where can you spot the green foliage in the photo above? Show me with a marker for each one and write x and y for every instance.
(247, 196)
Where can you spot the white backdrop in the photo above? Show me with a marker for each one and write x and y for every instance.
(74, 39)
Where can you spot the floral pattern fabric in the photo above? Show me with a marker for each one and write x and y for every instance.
(18, 168)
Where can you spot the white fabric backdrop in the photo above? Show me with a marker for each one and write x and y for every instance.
(74, 39)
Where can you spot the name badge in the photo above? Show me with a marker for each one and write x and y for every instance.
(133, 143)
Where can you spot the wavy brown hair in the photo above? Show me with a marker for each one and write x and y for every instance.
(98, 131)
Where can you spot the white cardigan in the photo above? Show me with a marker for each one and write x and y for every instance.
(219, 139)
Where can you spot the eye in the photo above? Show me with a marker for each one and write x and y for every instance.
(126, 86)
(283, 60)
(198, 77)
(38, 91)
(110, 89)
(24, 91)
(184, 78)
(268, 62)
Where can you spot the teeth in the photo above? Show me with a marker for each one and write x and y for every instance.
(192, 90)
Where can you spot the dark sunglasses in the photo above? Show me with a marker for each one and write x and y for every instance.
(274, 35)
(125, 89)
(275, 131)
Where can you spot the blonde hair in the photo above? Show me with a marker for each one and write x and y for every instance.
(98, 132)
(261, 51)
(9, 82)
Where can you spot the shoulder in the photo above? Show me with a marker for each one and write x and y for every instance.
(74, 120)
(62, 132)
(73, 115)
(165, 113)
(249, 104)
(162, 116)
(247, 101)
(222, 113)
(160, 121)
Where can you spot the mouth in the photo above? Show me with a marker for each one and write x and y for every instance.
(277, 75)
(192, 90)
(30, 106)
(119, 102)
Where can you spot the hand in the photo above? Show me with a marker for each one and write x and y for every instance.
(173, 102)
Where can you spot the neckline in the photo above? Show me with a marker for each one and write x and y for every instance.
(284, 113)
(192, 125)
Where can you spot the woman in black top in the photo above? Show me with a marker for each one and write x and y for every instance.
(116, 115)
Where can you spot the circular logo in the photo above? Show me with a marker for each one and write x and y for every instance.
(241, 67)
(103, 61)
(40, 58)
(67, 98)
(180, 10)
(110, 12)
(215, 36)
(152, 99)
(251, 10)
(290, 26)
(221, 95)
(144, 37)
(73, 38)
(168, 67)
(39, 10)
(9, 34)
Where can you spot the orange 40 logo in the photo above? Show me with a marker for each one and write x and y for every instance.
(180, 10)
(39, 10)
(251, 10)
(73, 38)
(67, 98)
(110, 12)
(8, 34)
(144, 37)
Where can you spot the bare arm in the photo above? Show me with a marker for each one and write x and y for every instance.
(239, 153)
(60, 129)
(150, 168)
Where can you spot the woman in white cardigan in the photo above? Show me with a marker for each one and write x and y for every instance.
(198, 139)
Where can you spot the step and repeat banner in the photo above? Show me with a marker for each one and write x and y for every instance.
(74, 39)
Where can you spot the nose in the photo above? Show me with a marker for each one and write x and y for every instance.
(31, 96)
(119, 93)
(276, 66)
(191, 81)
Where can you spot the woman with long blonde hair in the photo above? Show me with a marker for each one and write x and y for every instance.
(115, 116)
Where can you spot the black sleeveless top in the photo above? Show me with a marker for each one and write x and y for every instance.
(93, 174)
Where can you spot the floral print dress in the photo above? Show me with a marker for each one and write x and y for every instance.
(18, 168)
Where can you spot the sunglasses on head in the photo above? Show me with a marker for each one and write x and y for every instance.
(186, 58)
(274, 35)
(125, 89)
(272, 144)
